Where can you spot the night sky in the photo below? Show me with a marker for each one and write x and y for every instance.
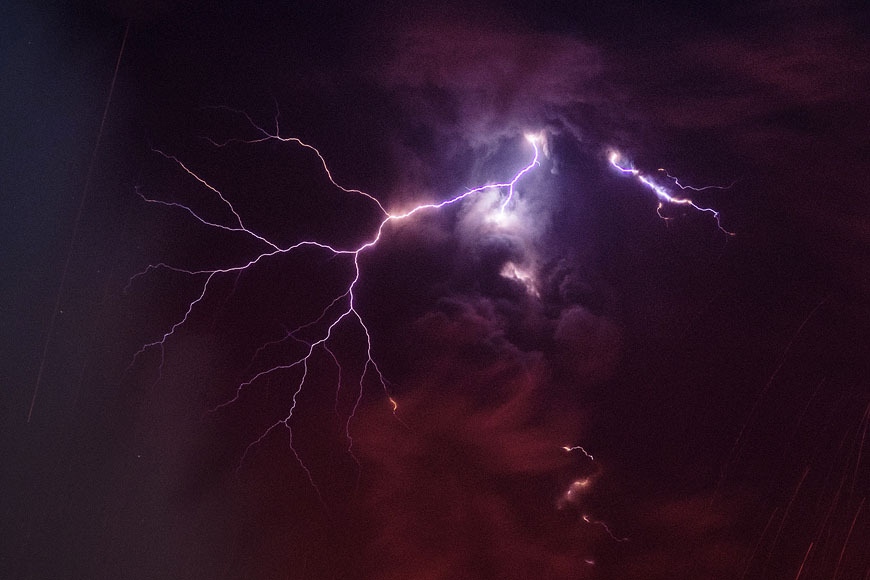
(712, 381)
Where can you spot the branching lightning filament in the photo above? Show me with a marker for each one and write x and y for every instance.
(664, 195)
(342, 309)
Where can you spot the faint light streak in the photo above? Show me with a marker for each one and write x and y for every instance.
(848, 536)
(75, 230)
(832, 539)
(751, 558)
(738, 442)
(786, 513)
(662, 193)
(803, 563)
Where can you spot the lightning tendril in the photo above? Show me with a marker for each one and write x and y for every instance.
(666, 196)
(343, 308)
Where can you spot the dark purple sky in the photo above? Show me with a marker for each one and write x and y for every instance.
(720, 382)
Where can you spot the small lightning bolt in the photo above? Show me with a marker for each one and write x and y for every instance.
(571, 449)
(604, 525)
(343, 307)
(702, 188)
(663, 194)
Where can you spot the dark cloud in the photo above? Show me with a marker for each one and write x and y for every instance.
(683, 538)
(464, 483)
(480, 80)
(580, 331)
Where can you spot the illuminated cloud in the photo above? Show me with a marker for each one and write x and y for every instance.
(467, 484)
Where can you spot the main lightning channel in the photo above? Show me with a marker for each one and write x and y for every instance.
(342, 308)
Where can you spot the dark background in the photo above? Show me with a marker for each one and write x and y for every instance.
(720, 382)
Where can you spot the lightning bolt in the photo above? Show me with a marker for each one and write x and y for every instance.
(571, 449)
(607, 529)
(664, 195)
(343, 308)
(317, 334)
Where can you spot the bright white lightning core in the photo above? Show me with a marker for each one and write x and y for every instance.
(535, 138)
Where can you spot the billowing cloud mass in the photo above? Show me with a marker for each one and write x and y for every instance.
(573, 385)
(451, 485)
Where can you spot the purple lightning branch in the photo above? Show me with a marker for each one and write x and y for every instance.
(664, 195)
(342, 308)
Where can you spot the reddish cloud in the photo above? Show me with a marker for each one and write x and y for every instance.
(464, 481)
